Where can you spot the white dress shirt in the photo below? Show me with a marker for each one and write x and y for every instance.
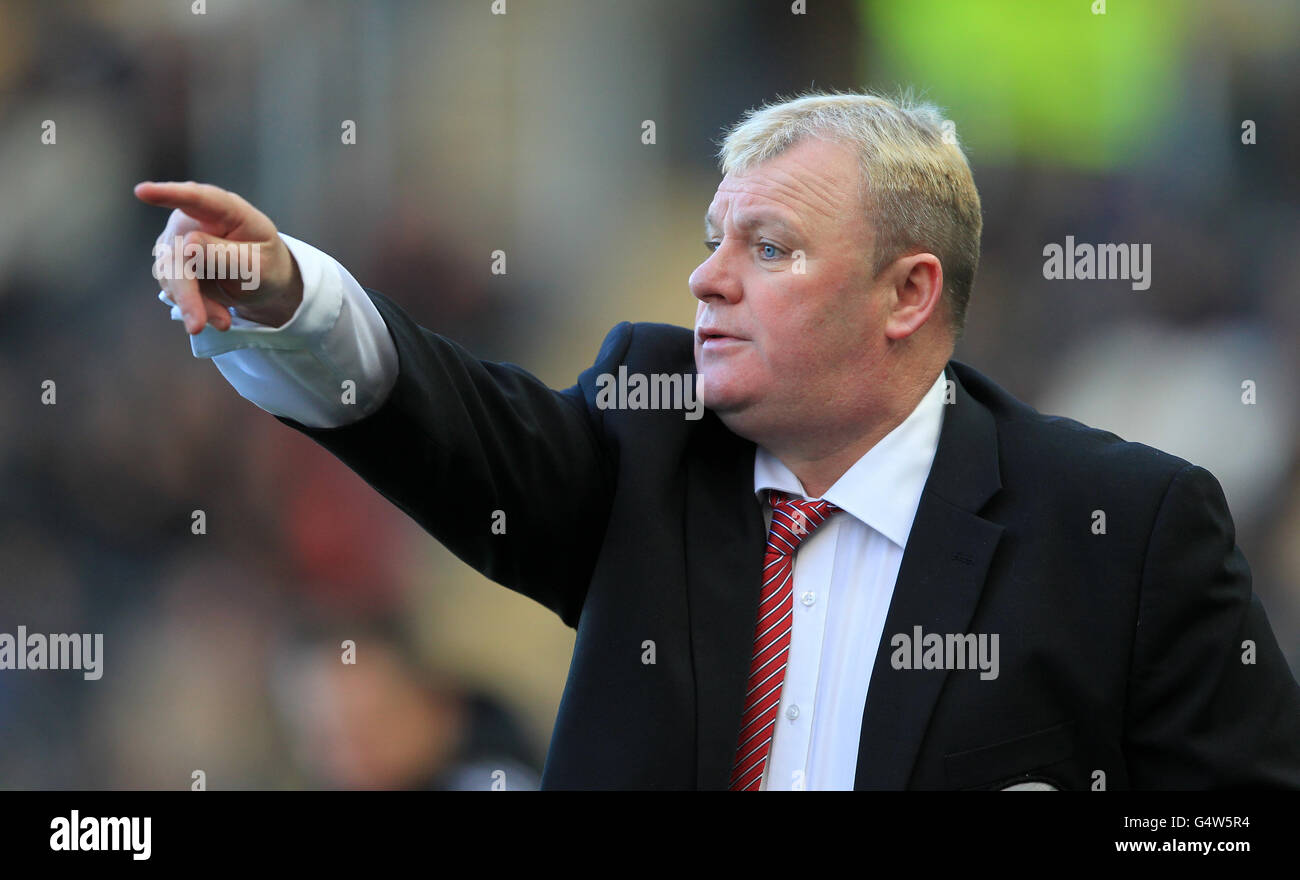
(844, 572)
(844, 575)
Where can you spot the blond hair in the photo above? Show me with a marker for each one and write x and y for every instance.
(919, 193)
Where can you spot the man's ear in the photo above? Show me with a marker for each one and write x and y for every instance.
(913, 295)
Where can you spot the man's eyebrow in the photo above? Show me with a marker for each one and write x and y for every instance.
(757, 218)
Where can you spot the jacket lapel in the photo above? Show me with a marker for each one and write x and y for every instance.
(939, 583)
(724, 554)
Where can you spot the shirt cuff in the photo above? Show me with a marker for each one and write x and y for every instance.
(316, 315)
(332, 363)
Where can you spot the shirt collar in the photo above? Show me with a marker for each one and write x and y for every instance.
(883, 488)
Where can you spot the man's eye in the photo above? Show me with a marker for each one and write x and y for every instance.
(712, 245)
(769, 251)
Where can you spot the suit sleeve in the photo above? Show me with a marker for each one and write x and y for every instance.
(1212, 703)
(510, 475)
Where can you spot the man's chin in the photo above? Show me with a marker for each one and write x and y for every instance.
(717, 394)
(730, 405)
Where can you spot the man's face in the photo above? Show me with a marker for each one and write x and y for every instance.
(788, 329)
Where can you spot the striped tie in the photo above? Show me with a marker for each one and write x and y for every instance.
(792, 521)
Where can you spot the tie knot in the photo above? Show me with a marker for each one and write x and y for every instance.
(794, 519)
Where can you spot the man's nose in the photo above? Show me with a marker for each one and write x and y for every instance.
(715, 278)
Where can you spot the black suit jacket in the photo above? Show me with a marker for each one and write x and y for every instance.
(1121, 654)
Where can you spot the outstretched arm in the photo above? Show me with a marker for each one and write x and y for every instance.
(513, 477)
(510, 475)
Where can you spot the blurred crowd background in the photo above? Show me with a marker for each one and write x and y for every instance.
(522, 132)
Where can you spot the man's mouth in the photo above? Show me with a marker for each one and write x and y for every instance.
(708, 335)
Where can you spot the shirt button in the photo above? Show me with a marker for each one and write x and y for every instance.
(808, 598)
(792, 712)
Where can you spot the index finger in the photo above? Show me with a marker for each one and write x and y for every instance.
(218, 211)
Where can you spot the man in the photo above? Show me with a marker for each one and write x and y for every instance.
(935, 606)
(392, 722)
